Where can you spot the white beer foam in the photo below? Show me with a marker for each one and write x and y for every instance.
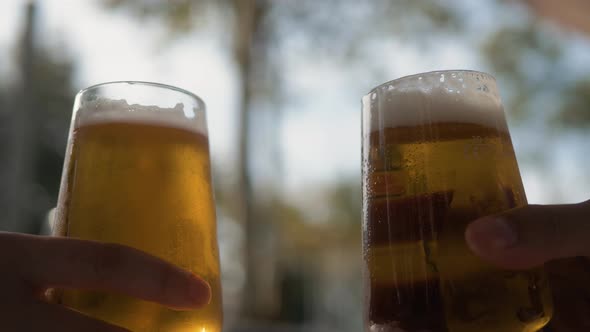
(119, 111)
(438, 97)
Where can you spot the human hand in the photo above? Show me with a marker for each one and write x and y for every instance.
(555, 235)
(532, 235)
(32, 264)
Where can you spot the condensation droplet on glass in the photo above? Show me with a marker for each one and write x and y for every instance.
(483, 88)
(373, 96)
(391, 87)
(420, 78)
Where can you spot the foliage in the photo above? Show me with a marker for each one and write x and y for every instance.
(575, 112)
(182, 16)
(529, 59)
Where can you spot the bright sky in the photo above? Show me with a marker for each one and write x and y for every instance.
(320, 135)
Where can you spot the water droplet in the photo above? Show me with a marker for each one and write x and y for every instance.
(483, 88)
(442, 77)
(373, 96)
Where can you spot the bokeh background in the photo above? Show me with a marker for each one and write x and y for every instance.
(282, 81)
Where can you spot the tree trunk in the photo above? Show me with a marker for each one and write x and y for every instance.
(258, 299)
(245, 29)
(24, 135)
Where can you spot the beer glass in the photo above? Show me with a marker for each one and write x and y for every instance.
(137, 172)
(436, 154)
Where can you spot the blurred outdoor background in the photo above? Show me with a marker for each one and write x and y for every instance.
(282, 81)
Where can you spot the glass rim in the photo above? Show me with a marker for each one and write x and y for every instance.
(143, 83)
(432, 73)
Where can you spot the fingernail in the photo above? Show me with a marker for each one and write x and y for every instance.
(199, 291)
(491, 232)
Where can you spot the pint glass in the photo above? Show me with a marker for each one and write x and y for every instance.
(137, 172)
(436, 154)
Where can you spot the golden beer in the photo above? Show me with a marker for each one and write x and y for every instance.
(437, 155)
(140, 176)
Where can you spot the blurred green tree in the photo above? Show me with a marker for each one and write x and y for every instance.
(529, 59)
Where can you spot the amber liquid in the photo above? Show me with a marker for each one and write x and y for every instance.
(148, 187)
(422, 186)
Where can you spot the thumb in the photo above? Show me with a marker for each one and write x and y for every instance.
(529, 236)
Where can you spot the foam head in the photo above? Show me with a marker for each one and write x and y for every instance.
(435, 97)
(104, 110)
